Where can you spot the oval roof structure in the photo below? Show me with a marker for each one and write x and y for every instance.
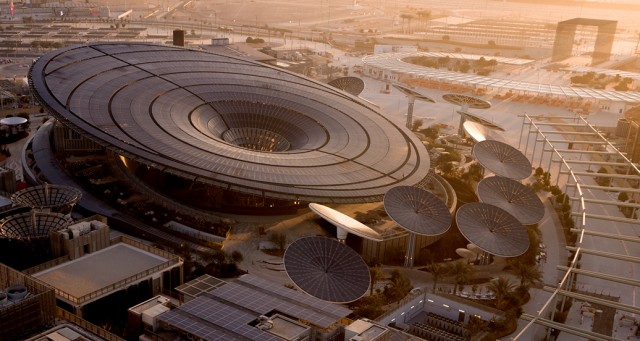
(502, 159)
(343, 221)
(417, 210)
(229, 122)
(492, 229)
(13, 121)
(327, 269)
(512, 196)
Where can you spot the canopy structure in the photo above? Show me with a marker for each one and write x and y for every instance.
(502, 159)
(13, 121)
(419, 212)
(395, 62)
(467, 116)
(344, 224)
(351, 85)
(512, 196)
(479, 132)
(412, 95)
(492, 229)
(327, 269)
(465, 102)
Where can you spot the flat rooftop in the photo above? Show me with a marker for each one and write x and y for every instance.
(97, 270)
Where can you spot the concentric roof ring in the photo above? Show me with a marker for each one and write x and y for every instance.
(227, 121)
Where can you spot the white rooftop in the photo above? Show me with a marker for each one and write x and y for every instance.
(100, 269)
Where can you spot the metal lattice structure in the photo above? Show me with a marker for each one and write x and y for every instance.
(600, 259)
(326, 269)
(47, 196)
(32, 225)
(228, 122)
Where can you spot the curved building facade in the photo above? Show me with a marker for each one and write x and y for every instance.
(227, 122)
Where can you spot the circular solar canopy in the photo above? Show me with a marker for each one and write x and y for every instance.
(47, 196)
(342, 221)
(226, 121)
(512, 196)
(352, 85)
(502, 159)
(468, 101)
(477, 119)
(411, 92)
(32, 225)
(492, 229)
(479, 132)
(417, 210)
(13, 121)
(327, 269)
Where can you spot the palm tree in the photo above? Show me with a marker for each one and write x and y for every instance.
(501, 288)
(461, 272)
(528, 274)
(376, 274)
(405, 17)
(409, 17)
(437, 271)
(424, 15)
(475, 325)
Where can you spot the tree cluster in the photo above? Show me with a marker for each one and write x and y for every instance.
(372, 306)
(251, 40)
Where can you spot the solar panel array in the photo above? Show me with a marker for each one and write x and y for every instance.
(264, 299)
(200, 285)
(333, 311)
(492, 229)
(512, 196)
(226, 311)
(212, 320)
(417, 210)
(502, 159)
(47, 196)
(203, 116)
(327, 269)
